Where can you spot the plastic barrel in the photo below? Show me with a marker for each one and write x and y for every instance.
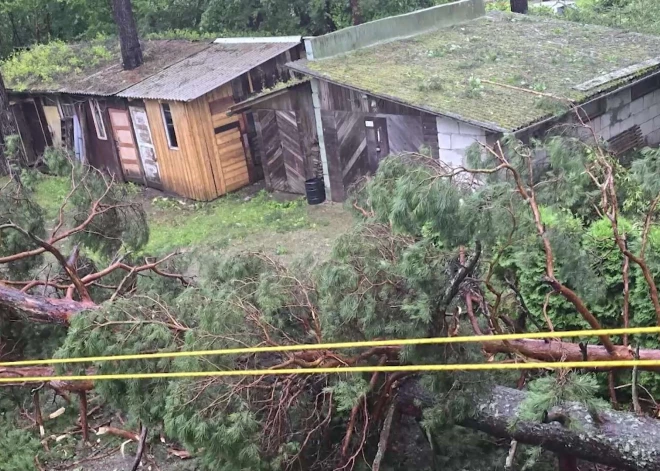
(315, 190)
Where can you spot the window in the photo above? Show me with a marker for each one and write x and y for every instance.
(67, 110)
(98, 120)
(169, 126)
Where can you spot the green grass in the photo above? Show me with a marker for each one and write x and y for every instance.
(221, 222)
(49, 193)
(176, 224)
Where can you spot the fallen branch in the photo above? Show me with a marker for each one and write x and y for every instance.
(384, 437)
(140, 450)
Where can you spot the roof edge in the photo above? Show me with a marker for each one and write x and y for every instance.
(299, 67)
(262, 39)
(262, 96)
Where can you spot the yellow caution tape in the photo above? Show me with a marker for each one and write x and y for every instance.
(350, 369)
(341, 345)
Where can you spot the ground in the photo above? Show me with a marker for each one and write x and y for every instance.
(282, 225)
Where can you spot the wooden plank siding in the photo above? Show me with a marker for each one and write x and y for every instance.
(211, 157)
(185, 171)
(350, 153)
(231, 155)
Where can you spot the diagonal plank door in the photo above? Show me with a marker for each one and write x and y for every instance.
(126, 147)
(292, 151)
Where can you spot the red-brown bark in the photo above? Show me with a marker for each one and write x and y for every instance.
(40, 309)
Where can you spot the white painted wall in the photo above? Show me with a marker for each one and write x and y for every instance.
(622, 113)
(455, 137)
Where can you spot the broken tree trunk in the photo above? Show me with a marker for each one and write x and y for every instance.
(622, 440)
(131, 51)
(40, 309)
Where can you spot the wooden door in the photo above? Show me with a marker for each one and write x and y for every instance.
(126, 147)
(293, 154)
(145, 145)
(271, 148)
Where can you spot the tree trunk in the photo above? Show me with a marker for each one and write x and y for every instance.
(40, 309)
(519, 6)
(622, 440)
(131, 51)
(356, 12)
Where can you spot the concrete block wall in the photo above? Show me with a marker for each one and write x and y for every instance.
(622, 113)
(455, 137)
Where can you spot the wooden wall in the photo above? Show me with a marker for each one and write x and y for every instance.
(102, 153)
(288, 139)
(211, 159)
(231, 153)
(349, 152)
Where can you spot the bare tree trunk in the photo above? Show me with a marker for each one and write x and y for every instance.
(519, 6)
(131, 51)
(356, 12)
(38, 309)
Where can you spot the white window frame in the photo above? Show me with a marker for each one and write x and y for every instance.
(167, 132)
(101, 132)
(67, 110)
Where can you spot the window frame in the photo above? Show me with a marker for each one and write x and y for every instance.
(168, 136)
(101, 131)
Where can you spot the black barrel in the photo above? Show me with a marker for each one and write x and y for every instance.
(315, 190)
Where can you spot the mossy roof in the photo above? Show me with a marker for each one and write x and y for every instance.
(449, 71)
(90, 68)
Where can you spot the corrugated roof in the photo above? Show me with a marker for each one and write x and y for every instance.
(500, 71)
(107, 77)
(205, 71)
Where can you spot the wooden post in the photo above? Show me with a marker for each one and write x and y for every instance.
(38, 418)
(131, 51)
(519, 6)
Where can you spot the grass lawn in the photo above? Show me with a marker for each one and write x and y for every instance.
(175, 223)
(250, 219)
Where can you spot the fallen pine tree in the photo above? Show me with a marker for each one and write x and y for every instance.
(432, 257)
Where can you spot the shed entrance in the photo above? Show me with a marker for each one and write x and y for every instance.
(145, 145)
(284, 158)
(378, 144)
(126, 147)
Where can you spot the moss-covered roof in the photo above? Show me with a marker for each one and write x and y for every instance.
(475, 70)
(89, 68)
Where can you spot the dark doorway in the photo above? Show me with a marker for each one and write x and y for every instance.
(378, 144)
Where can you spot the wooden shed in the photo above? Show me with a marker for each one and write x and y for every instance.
(287, 137)
(202, 152)
(165, 124)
